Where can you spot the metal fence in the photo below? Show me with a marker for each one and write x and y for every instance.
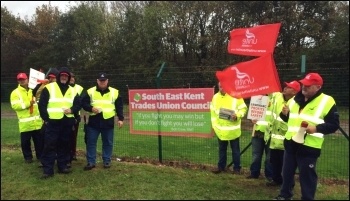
(203, 152)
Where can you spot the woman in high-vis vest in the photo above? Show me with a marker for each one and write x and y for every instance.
(29, 120)
(320, 112)
(226, 115)
(57, 105)
(103, 103)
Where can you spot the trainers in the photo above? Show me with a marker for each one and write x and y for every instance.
(107, 165)
(89, 166)
(252, 177)
(64, 171)
(217, 171)
(46, 176)
(29, 160)
(281, 198)
(272, 183)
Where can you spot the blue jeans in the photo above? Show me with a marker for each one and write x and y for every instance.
(92, 135)
(236, 156)
(258, 148)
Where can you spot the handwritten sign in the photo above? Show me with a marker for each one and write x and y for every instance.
(34, 76)
(257, 107)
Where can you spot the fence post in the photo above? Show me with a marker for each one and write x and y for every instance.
(160, 155)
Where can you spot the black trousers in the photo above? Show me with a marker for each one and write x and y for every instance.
(26, 144)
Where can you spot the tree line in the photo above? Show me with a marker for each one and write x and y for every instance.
(126, 37)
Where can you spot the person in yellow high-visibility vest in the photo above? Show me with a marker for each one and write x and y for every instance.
(319, 111)
(277, 129)
(29, 120)
(104, 104)
(78, 89)
(58, 104)
(227, 127)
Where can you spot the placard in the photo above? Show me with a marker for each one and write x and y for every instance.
(34, 76)
(257, 107)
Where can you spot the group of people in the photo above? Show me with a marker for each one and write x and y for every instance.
(49, 115)
(299, 101)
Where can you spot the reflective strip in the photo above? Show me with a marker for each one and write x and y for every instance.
(55, 109)
(264, 123)
(293, 128)
(29, 119)
(228, 128)
(293, 115)
(268, 112)
(319, 135)
(321, 106)
(20, 99)
(279, 137)
(60, 100)
(312, 119)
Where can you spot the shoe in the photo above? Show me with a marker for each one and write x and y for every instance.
(217, 171)
(236, 172)
(74, 158)
(281, 198)
(69, 165)
(107, 165)
(64, 171)
(29, 160)
(89, 166)
(252, 177)
(272, 183)
(46, 176)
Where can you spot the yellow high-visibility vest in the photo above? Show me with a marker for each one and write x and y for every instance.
(105, 102)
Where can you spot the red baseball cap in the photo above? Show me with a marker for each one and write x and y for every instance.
(21, 76)
(312, 79)
(52, 75)
(294, 85)
(63, 73)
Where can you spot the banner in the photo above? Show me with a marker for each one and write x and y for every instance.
(35, 77)
(171, 112)
(254, 41)
(255, 77)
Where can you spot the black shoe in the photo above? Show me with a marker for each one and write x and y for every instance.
(281, 198)
(46, 176)
(64, 171)
(107, 165)
(89, 167)
(236, 172)
(29, 160)
(273, 183)
(69, 165)
(217, 171)
(252, 177)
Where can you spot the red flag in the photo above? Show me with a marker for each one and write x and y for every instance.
(254, 41)
(256, 77)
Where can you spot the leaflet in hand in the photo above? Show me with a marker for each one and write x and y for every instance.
(226, 113)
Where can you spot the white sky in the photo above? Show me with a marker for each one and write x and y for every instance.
(27, 8)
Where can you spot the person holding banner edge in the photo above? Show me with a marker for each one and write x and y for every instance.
(226, 114)
(320, 112)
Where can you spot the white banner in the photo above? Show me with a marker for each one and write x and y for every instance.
(34, 76)
(257, 107)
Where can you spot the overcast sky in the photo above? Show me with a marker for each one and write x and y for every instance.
(27, 8)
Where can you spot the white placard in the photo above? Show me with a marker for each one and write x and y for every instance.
(34, 76)
(257, 107)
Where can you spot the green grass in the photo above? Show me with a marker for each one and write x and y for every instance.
(150, 179)
(134, 181)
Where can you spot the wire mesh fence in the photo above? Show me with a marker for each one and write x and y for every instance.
(200, 152)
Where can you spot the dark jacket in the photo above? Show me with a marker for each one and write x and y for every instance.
(45, 96)
(97, 121)
(330, 125)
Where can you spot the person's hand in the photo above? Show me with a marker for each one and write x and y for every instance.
(254, 121)
(120, 124)
(96, 110)
(311, 129)
(67, 110)
(285, 110)
(32, 102)
(234, 117)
